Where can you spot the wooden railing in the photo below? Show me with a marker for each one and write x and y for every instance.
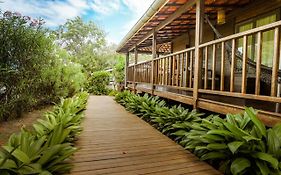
(226, 70)
(176, 69)
(229, 57)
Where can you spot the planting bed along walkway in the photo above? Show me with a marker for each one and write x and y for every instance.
(116, 142)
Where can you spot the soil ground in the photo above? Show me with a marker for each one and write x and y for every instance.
(14, 126)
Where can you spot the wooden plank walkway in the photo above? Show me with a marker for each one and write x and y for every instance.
(116, 142)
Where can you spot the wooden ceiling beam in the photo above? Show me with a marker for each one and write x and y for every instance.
(171, 18)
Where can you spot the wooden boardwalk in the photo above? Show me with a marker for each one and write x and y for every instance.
(116, 142)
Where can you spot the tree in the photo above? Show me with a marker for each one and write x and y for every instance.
(78, 36)
(83, 40)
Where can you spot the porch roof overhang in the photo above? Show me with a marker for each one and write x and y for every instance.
(170, 18)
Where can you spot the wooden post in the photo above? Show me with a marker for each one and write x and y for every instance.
(198, 56)
(233, 61)
(154, 54)
(244, 65)
(126, 69)
(275, 65)
(135, 72)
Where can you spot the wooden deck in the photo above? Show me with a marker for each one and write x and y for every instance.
(116, 142)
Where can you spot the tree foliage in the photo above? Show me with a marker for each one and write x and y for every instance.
(32, 69)
(77, 36)
(83, 40)
(119, 69)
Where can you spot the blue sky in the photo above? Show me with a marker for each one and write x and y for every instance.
(116, 17)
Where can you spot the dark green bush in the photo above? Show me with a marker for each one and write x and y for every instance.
(98, 82)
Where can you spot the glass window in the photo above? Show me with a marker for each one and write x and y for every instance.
(242, 28)
(267, 39)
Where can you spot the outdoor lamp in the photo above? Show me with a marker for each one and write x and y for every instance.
(221, 17)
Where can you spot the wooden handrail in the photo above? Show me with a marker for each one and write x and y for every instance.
(241, 34)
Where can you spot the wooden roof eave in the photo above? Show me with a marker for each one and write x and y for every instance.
(154, 8)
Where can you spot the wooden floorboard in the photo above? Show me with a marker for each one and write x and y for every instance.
(115, 142)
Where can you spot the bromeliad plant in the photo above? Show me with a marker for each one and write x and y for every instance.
(237, 144)
(45, 149)
(175, 121)
(172, 121)
(143, 106)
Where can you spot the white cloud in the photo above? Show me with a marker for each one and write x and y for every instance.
(138, 6)
(54, 12)
(105, 7)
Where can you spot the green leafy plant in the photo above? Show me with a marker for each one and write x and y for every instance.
(237, 144)
(46, 149)
(175, 121)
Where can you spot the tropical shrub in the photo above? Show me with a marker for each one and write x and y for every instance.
(46, 149)
(98, 82)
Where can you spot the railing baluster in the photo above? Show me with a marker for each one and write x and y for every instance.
(244, 65)
(233, 54)
(141, 73)
(166, 70)
(222, 65)
(206, 68)
(182, 69)
(163, 71)
(173, 75)
(149, 71)
(146, 72)
(170, 70)
(214, 68)
(159, 73)
(275, 63)
(186, 69)
(178, 69)
(258, 63)
(191, 68)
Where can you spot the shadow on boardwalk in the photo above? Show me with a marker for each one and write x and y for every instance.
(116, 142)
